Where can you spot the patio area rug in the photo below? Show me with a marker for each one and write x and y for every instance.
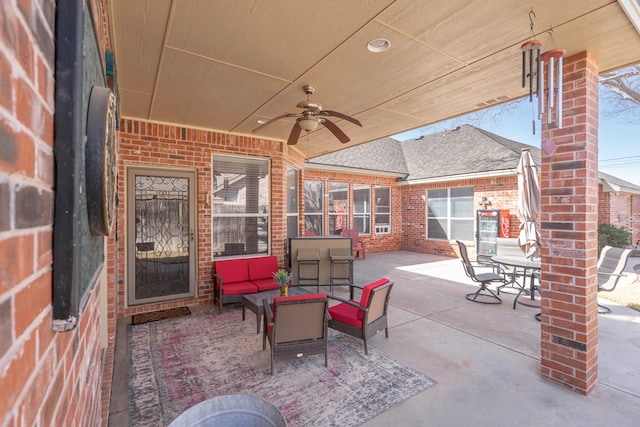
(176, 363)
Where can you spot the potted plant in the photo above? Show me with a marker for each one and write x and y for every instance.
(283, 277)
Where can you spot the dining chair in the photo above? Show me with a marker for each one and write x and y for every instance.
(366, 317)
(295, 326)
(484, 294)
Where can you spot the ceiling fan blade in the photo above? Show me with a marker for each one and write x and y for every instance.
(294, 135)
(342, 116)
(336, 131)
(268, 122)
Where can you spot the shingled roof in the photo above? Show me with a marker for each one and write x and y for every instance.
(617, 185)
(466, 151)
(382, 155)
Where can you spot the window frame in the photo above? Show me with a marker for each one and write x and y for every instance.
(245, 218)
(382, 227)
(314, 217)
(293, 208)
(343, 204)
(362, 217)
(450, 218)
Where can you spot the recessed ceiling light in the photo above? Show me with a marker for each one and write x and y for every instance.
(378, 45)
(261, 121)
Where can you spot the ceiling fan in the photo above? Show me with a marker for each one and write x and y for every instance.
(312, 116)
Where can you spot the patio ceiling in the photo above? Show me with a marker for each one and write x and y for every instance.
(223, 65)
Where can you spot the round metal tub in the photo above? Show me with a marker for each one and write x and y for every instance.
(242, 410)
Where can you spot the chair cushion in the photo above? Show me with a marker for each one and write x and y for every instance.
(303, 297)
(265, 284)
(346, 313)
(238, 288)
(366, 292)
(232, 270)
(262, 267)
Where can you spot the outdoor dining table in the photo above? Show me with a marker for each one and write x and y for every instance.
(528, 265)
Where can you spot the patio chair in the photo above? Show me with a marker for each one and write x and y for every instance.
(611, 264)
(357, 244)
(295, 326)
(365, 318)
(483, 295)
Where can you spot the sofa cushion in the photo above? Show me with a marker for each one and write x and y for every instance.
(366, 292)
(232, 270)
(265, 284)
(262, 267)
(346, 313)
(238, 288)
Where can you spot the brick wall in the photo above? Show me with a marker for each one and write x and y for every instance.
(569, 327)
(604, 206)
(152, 144)
(501, 191)
(635, 220)
(46, 378)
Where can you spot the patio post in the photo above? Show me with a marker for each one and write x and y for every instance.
(569, 231)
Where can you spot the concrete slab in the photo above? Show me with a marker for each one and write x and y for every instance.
(484, 358)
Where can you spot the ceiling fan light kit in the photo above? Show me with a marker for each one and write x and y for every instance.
(308, 124)
(313, 116)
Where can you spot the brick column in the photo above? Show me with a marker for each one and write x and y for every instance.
(569, 220)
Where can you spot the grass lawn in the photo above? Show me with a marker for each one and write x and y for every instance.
(628, 295)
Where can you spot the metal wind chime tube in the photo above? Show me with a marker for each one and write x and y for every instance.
(553, 105)
(528, 49)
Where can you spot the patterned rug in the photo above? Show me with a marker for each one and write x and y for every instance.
(176, 363)
(153, 316)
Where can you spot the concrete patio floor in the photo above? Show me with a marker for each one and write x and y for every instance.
(485, 358)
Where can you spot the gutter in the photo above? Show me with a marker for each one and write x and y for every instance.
(354, 170)
(474, 175)
(632, 9)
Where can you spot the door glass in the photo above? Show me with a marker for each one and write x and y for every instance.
(162, 238)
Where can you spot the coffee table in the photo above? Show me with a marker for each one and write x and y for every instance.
(254, 301)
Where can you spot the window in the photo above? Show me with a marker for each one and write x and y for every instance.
(239, 206)
(292, 202)
(338, 207)
(450, 214)
(362, 208)
(383, 210)
(313, 208)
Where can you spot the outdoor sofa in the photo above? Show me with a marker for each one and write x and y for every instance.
(234, 278)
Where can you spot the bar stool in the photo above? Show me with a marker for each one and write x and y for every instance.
(341, 271)
(309, 267)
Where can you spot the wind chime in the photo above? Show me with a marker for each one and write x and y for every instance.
(533, 68)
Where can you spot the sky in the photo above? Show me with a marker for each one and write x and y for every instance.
(618, 134)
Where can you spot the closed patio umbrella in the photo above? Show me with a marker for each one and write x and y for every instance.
(528, 205)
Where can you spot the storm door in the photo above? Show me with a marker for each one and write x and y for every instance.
(161, 230)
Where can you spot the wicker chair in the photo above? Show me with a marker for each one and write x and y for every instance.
(296, 327)
(483, 295)
(365, 318)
